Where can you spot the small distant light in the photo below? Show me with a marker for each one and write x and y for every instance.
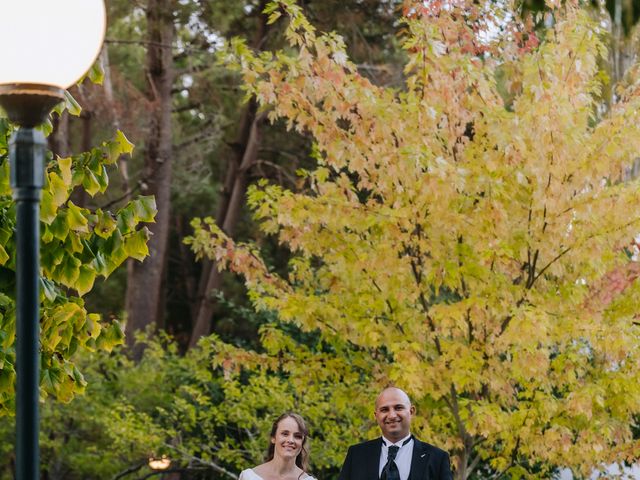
(161, 463)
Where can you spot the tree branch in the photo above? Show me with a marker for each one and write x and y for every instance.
(556, 258)
(212, 465)
(129, 470)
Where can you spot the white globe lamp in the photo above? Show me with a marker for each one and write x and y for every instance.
(48, 45)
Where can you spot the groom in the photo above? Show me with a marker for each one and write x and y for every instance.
(397, 455)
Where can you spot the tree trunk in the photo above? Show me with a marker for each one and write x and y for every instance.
(233, 198)
(79, 196)
(123, 165)
(186, 259)
(461, 467)
(59, 139)
(228, 215)
(464, 464)
(144, 280)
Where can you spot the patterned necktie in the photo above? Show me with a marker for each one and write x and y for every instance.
(390, 470)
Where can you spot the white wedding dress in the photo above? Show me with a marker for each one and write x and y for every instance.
(249, 474)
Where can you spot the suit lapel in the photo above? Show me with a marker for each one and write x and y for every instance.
(419, 461)
(373, 467)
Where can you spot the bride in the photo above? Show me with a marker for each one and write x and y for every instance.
(287, 456)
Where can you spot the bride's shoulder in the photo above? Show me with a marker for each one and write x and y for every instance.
(308, 477)
(249, 474)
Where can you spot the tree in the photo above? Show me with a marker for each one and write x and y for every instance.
(451, 237)
(210, 136)
(231, 198)
(144, 284)
(369, 24)
(78, 246)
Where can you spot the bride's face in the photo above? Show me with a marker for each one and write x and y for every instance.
(288, 439)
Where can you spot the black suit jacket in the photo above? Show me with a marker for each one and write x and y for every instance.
(427, 463)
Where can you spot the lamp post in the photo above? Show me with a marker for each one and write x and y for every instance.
(47, 47)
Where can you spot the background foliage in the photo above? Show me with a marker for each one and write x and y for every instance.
(452, 238)
(437, 202)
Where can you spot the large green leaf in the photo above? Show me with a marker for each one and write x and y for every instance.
(119, 146)
(85, 280)
(76, 218)
(145, 208)
(135, 245)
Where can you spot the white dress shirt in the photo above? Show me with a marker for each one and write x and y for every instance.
(403, 458)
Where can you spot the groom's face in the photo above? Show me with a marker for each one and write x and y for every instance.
(393, 413)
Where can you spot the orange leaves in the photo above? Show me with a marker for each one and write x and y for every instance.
(611, 285)
(209, 241)
(457, 234)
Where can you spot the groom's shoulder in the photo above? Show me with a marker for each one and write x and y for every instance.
(367, 444)
(431, 448)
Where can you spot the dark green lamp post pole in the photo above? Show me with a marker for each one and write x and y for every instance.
(27, 151)
(38, 62)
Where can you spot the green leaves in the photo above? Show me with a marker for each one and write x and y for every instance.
(78, 245)
(71, 105)
(135, 245)
(76, 218)
(119, 146)
(105, 224)
(86, 277)
(96, 74)
(273, 12)
(145, 208)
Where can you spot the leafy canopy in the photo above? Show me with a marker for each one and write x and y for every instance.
(451, 237)
(77, 246)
